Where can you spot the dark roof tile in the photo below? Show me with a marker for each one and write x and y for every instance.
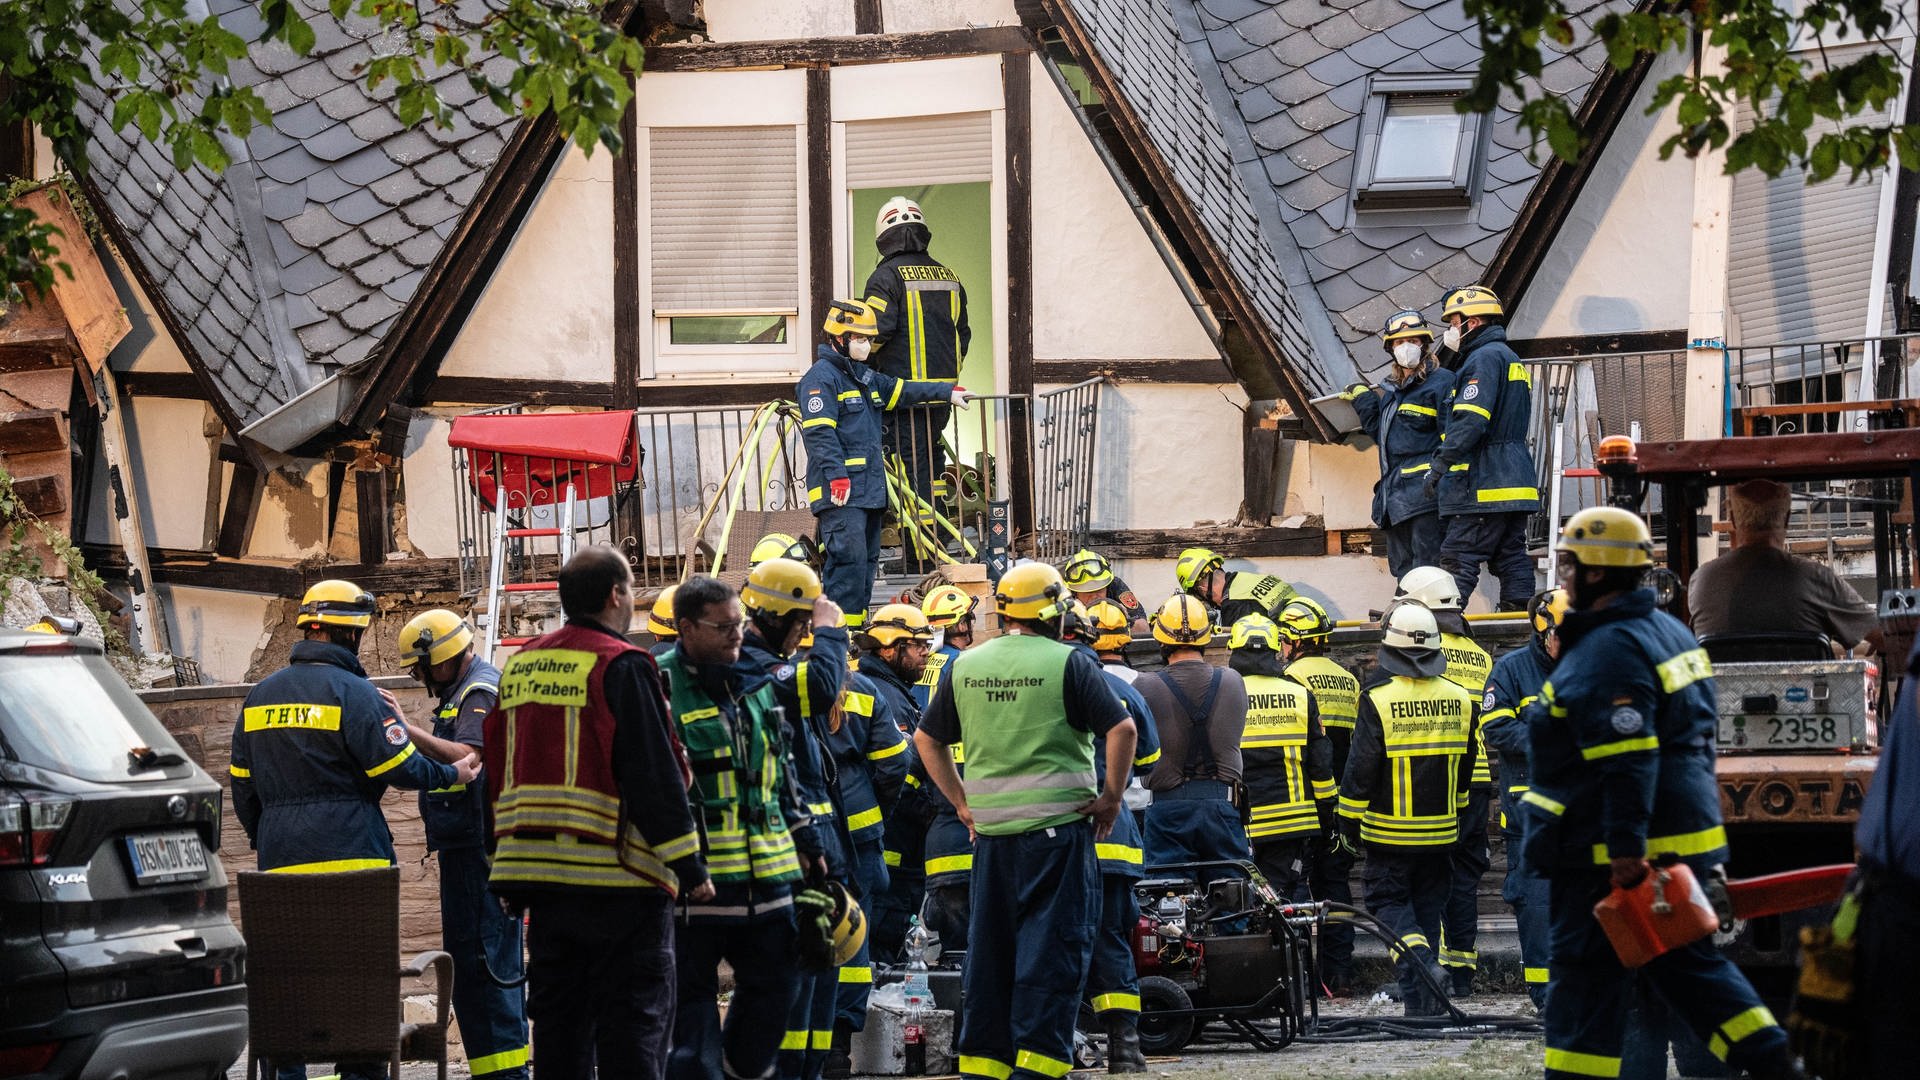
(430, 210)
(403, 287)
(378, 271)
(1416, 33)
(304, 120)
(357, 208)
(336, 142)
(322, 338)
(282, 201)
(313, 227)
(483, 149)
(366, 166)
(399, 187)
(1304, 13)
(363, 315)
(350, 249)
(308, 274)
(420, 250)
(291, 165)
(1340, 31)
(389, 229)
(1380, 273)
(345, 101)
(376, 124)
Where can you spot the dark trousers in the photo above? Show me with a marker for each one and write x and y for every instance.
(1407, 891)
(1586, 1015)
(850, 550)
(1286, 862)
(809, 1034)
(1112, 983)
(887, 919)
(1194, 823)
(600, 983)
(1330, 877)
(856, 975)
(1412, 542)
(1497, 540)
(1886, 949)
(914, 436)
(478, 935)
(1036, 903)
(1526, 894)
(760, 950)
(1460, 926)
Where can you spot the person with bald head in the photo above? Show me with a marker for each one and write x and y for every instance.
(1760, 587)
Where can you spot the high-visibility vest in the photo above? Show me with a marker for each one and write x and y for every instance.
(1469, 665)
(1426, 724)
(1027, 768)
(1280, 799)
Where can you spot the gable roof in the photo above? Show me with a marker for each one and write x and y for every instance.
(1257, 108)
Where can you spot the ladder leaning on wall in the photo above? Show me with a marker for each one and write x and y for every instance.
(501, 590)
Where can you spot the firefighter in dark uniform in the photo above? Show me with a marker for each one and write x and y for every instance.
(1622, 761)
(1286, 758)
(1029, 708)
(949, 612)
(1405, 416)
(841, 398)
(1113, 984)
(1483, 472)
(1512, 690)
(1234, 594)
(593, 833)
(1201, 712)
(921, 309)
(1091, 578)
(1406, 782)
(1469, 665)
(316, 746)
(436, 648)
(895, 670)
(1305, 629)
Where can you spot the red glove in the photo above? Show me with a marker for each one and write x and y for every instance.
(839, 490)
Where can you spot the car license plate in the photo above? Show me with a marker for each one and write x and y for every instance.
(162, 857)
(1792, 732)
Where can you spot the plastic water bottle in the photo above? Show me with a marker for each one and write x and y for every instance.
(918, 998)
(918, 991)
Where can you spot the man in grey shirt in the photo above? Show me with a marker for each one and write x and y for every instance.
(1758, 587)
(1201, 711)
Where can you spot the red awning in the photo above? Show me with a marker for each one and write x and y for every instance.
(603, 437)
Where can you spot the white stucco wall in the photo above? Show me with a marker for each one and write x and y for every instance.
(147, 346)
(766, 20)
(548, 310)
(1333, 482)
(218, 628)
(171, 461)
(1167, 456)
(1088, 245)
(899, 16)
(1622, 259)
(426, 475)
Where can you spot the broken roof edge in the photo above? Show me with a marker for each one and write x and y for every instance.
(1056, 16)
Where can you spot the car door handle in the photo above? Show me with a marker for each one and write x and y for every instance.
(194, 948)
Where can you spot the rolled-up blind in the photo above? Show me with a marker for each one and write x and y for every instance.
(919, 150)
(724, 219)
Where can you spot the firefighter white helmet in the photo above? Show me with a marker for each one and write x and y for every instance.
(1432, 586)
(1410, 641)
(898, 210)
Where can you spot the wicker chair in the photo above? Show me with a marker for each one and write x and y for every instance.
(323, 978)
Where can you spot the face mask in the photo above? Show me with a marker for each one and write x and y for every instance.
(1451, 339)
(1408, 354)
(939, 639)
(859, 347)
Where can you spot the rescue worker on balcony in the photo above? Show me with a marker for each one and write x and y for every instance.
(895, 671)
(314, 748)
(841, 398)
(436, 648)
(1405, 784)
(593, 833)
(1622, 760)
(1091, 578)
(660, 623)
(1512, 690)
(1200, 711)
(921, 313)
(1305, 631)
(1233, 594)
(1029, 708)
(1468, 665)
(1483, 472)
(1286, 758)
(949, 612)
(1405, 416)
(1113, 984)
(740, 710)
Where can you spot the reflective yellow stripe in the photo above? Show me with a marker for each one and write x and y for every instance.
(984, 1066)
(678, 848)
(894, 399)
(820, 421)
(1497, 714)
(947, 864)
(1143, 762)
(1107, 1002)
(1682, 844)
(856, 822)
(291, 716)
(1750, 1022)
(891, 858)
(1536, 976)
(1041, 1063)
(1458, 405)
(887, 752)
(912, 781)
(500, 1062)
(793, 1040)
(242, 773)
(1420, 468)
(331, 866)
(1461, 467)
(1324, 789)
(454, 790)
(1466, 958)
(877, 303)
(1408, 406)
(405, 753)
(1517, 372)
(1551, 806)
(822, 1040)
(1569, 1061)
(816, 494)
(1685, 670)
(848, 395)
(1118, 853)
(852, 461)
(820, 809)
(1508, 494)
(854, 974)
(1624, 746)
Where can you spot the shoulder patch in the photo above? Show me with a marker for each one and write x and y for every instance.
(1487, 701)
(815, 403)
(1625, 720)
(1472, 391)
(396, 734)
(783, 672)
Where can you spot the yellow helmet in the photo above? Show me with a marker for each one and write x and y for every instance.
(1182, 620)
(1087, 571)
(1078, 625)
(1194, 566)
(433, 637)
(335, 603)
(1549, 609)
(1305, 620)
(1405, 324)
(1472, 300)
(846, 925)
(947, 605)
(851, 317)
(1432, 586)
(1254, 631)
(895, 623)
(1111, 627)
(660, 620)
(56, 624)
(1030, 590)
(801, 549)
(779, 586)
(1607, 536)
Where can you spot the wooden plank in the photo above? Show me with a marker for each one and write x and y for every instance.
(32, 431)
(627, 308)
(124, 503)
(1016, 87)
(1230, 542)
(1208, 372)
(819, 193)
(34, 336)
(42, 496)
(481, 390)
(163, 384)
(865, 49)
(868, 17)
(372, 492)
(92, 308)
(1644, 341)
(1857, 455)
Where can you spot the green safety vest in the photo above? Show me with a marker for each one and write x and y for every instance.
(1027, 768)
(1469, 665)
(737, 778)
(1280, 799)
(1427, 724)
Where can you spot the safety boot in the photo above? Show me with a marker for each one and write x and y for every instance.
(1461, 982)
(1123, 1043)
(839, 1063)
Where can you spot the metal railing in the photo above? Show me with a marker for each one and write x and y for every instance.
(1579, 400)
(1767, 380)
(1064, 430)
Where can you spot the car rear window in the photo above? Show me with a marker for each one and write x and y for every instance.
(71, 714)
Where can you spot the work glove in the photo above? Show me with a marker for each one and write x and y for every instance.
(813, 918)
(1346, 836)
(839, 491)
(1354, 391)
(1432, 482)
(960, 397)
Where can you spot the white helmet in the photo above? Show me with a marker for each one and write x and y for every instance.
(1432, 586)
(898, 210)
(1410, 641)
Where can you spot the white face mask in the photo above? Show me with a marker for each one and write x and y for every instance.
(1451, 339)
(1408, 354)
(858, 347)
